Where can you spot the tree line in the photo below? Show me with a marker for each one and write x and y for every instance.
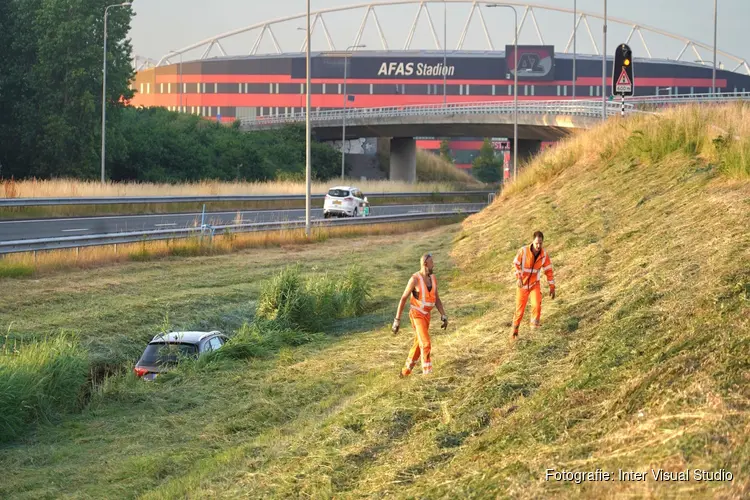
(50, 109)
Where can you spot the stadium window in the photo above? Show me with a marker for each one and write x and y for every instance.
(558, 90)
(429, 89)
(461, 89)
(209, 110)
(324, 89)
(510, 89)
(371, 88)
(525, 90)
(277, 88)
(141, 88)
(239, 88)
(467, 89)
(493, 89)
(203, 88)
(216, 87)
(591, 90)
(161, 88)
(218, 111)
(481, 90)
(192, 110)
(565, 90)
(532, 90)
(301, 88)
(340, 88)
(270, 88)
(169, 87)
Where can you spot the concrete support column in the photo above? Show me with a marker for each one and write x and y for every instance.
(527, 149)
(403, 161)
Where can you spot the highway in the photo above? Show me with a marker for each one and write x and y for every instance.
(56, 227)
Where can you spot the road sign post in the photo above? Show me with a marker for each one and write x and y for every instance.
(622, 74)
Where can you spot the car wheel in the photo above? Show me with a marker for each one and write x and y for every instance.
(326, 215)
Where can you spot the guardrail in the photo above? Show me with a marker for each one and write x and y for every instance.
(588, 107)
(688, 98)
(67, 242)
(114, 200)
(579, 107)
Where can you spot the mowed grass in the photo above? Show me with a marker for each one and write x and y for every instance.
(200, 417)
(642, 361)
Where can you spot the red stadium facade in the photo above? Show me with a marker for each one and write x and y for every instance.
(253, 87)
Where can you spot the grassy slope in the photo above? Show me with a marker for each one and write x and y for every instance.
(642, 361)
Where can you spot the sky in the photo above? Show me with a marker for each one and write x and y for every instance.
(163, 25)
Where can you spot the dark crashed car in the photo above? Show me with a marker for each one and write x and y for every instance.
(167, 350)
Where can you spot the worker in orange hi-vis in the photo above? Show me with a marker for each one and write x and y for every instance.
(423, 291)
(530, 262)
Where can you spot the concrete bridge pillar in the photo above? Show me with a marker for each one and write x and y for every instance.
(527, 149)
(403, 161)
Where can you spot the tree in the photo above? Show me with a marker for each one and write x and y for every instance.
(445, 151)
(51, 95)
(487, 167)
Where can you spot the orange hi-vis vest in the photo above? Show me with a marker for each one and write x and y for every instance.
(529, 268)
(425, 300)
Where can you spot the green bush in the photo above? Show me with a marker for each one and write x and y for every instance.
(39, 381)
(313, 304)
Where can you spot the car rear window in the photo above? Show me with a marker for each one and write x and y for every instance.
(338, 193)
(162, 354)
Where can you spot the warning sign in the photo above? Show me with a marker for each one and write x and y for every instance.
(622, 81)
(624, 85)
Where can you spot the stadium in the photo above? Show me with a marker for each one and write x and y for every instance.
(255, 86)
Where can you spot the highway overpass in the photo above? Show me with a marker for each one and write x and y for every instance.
(537, 121)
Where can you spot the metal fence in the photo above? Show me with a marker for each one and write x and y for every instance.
(579, 107)
(125, 200)
(209, 231)
(592, 108)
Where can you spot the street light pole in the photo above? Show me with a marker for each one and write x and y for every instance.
(104, 86)
(604, 64)
(307, 129)
(713, 70)
(343, 131)
(515, 85)
(445, 51)
(574, 49)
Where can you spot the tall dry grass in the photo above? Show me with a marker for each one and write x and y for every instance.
(71, 188)
(718, 135)
(432, 168)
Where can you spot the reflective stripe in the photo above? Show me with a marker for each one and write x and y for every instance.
(424, 307)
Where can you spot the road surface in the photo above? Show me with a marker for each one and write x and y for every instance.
(72, 226)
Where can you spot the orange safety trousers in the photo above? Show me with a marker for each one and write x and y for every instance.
(421, 347)
(522, 297)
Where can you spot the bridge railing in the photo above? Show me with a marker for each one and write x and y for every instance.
(592, 108)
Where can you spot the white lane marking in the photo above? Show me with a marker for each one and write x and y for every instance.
(197, 214)
(162, 225)
(73, 230)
